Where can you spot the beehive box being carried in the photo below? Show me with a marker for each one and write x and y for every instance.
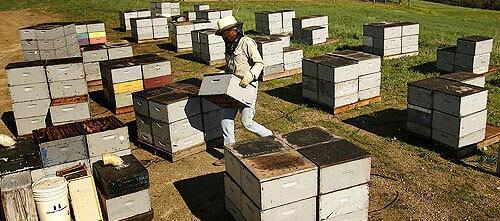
(49, 41)
(472, 54)
(310, 29)
(450, 112)
(225, 91)
(391, 39)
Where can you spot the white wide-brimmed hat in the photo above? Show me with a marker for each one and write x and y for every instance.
(225, 24)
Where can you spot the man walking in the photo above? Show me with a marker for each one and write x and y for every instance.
(243, 60)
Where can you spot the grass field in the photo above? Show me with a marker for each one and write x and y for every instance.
(431, 186)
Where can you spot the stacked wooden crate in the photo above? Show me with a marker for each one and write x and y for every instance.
(91, 32)
(191, 15)
(213, 15)
(297, 176)
(93, 54)
(156, 70)
(123, 191)
(149, 28)
(448, 111)
(279, 60)
(49, 41)
(30, 95)
(472, 54)
(125, 17)
(391, 38)
(342, 80)
(208, 47)
(165, 9)
(271, 23)
(180, 33)
(310, 29)
(68, 91)
(121, 77)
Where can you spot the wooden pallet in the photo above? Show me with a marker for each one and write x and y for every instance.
(369, 101)
(173, 157)
(150, 40)
(492, 136)
(283, 74)
(183, 50)
(396, 56)
(123, 110)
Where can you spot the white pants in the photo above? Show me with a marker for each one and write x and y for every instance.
(247, 114)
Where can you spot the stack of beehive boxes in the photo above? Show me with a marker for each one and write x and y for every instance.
(61, 147)
(122, 77)
(156, 70)
(91, 32)
(30, 95)
(49, 41)
(297, 176)
(106, 135)
(271, 23)
(15, 180)
(472, 54)
(341, 78)
(180, 33)
(311, 29)
(147, 28)
(191, 15)
(448, 111)
(93, 54)
(165, 9)
(207, 46)
(68, 91)
(278, 58)
(125, 17)
(369, 72)
(388, 39)
(213, 15)
(123, 191)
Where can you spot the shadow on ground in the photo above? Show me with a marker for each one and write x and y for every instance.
(204, 196)
(167, 46)
(188, 57)
(350, 47)
(291, 93)
(9, 121)
(426, 68)
(391, 124)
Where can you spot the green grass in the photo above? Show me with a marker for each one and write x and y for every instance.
(280, 105)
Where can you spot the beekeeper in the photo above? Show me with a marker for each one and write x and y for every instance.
(243, 60)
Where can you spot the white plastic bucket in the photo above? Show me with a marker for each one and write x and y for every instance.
(51, 199)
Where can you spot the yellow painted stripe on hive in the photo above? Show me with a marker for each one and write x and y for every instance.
(97, 34)
(128, 86)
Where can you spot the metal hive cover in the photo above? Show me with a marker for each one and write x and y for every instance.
(102, 124)
(173, 96)
(278, 164)
(475, 38)
(256, 147)
(336, 62)
(150, 93)
(307, 137)
(459, 89)
(354, 55)
(333, 153)
(460, 76)
(430, 83)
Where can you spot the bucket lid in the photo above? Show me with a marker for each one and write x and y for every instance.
(50, 184)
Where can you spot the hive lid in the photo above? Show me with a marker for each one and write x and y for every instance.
(150, 93)
(354, 55)
(256, 147)
(307, 137)
(459, 89)
(94, 47)
(46, 26)
(191, 85)
(173, 96)
(24, 64)
(318, 59)
(58, 132)
(461, 76)
(275, 165)
(475, 38)
(64, 61)
(333, 153)
(148, 59)
(448, 48)
(102, 124)
(430, 83)
(336, 62)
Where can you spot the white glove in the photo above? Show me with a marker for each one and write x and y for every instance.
(112, 159)
(6, 141)
(246, 80)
